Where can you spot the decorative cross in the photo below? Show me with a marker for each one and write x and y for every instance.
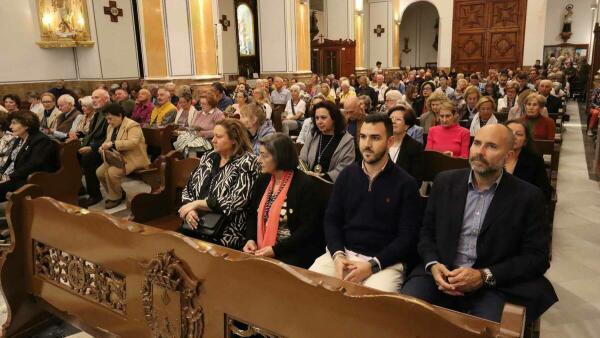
(321, 38)
(224, 22)
(113, 11)
(379, 30)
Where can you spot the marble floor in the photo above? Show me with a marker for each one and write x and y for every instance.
(575, 269)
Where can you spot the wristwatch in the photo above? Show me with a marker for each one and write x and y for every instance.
(374, 266)
(488, 279)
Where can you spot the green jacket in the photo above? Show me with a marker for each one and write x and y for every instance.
(97, 133)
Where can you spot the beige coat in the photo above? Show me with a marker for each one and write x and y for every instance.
(131, 145)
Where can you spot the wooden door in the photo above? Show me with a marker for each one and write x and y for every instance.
(488, 34)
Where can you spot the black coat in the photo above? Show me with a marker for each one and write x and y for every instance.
(530, 168)
(411, 158)
(418, 105)
(553, 103)
(39, 153)
(305, 221)
(370, 92)
(513, 241)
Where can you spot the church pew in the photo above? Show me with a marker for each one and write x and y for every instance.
(436, 162)
(65, 183)
(112, 277)
(276, 116)
(159, 209)
(159, 138)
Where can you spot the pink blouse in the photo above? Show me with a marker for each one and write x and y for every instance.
(454, 138)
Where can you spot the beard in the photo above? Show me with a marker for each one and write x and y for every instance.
(375, 156)
(486, 170)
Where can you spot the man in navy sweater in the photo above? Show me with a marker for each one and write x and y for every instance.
(372, 220)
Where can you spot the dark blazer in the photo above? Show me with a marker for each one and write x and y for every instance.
(39, 153)
(513, 242)
(307, 241)
(418, 105)
(553, 104)
(97, 133)
(530, 168)
(411, 158)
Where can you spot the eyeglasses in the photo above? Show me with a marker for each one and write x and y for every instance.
(47, 101)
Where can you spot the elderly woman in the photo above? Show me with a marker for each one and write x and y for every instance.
(82, 123)
(431, 115)
(392, 98)
(326, 91)
(186, 114)
(49, 117)
(11, 102)
(525, 163)
(260, 96)
(284, 220)
(254, 119)
(485, 114)
(506, 103)
(406, 152)
(32, 151)
(307, 125)
(414, 131)
(221, 186)
(124, 140)
(345, 91)
(208, 117)
(330, 147)
(419, 105)
(35, 103)
(6, 137)
(293, 114)
(541, 127)
(449, 137)
(468, 110)
(241, 99)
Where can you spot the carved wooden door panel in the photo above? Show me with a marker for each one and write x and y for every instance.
(488, 33)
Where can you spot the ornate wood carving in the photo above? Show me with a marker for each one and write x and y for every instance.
(249, 331)
(488, 32)
(170, 298)
(80, 276)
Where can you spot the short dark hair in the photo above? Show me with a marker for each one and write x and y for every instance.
(443, 77)
(381, 118)
(522, 76)
(218, 86)
(281, 147)
(27, 119)
(409, 115)
(5, 121)
(378, 63)
(426, 83)
(187, 96)
(339, 121)
(114, 109)
(13, 97)
(529, 141)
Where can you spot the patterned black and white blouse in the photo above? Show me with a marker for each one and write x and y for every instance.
(227, 191)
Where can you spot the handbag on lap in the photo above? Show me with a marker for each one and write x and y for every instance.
(113, 158)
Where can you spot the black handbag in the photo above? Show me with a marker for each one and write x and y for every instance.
(210, 227)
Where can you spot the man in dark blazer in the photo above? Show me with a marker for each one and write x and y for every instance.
(553, 103)
(484, 239)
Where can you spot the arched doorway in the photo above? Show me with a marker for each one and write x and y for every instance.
(419, 29)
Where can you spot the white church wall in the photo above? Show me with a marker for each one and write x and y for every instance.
(229, 38)
(378, 46)
(114, 55)
(445, 9)
(178, 38)
(272, 24)
(418, 26)
(338, 25)
(535, 23)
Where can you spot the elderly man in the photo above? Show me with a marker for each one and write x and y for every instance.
(552, 102)
(89, 156)
(164, 112)
(484, 239)
(380, 87)
(365, 89)
(280, 95)
(122, 98)
(64, 122)
(143, 107)
(170, 86)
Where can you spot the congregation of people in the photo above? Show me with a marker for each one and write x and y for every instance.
(480, 239)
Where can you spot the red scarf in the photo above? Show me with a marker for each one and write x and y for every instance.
(267, 233)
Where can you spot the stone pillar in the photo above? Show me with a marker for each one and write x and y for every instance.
(153, 33)
(302, 13)
(204, 41)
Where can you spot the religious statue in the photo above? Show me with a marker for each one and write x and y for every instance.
(436, 27)
(63, 23)
(314, 28)
(567, 20)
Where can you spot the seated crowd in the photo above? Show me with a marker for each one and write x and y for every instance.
(480, 239)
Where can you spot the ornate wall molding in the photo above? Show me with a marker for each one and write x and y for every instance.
(80, 276)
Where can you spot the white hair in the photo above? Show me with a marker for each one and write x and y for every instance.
(66, 98)
(295, 88)
(86, 101)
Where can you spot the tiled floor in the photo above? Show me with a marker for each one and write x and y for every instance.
(575, 270)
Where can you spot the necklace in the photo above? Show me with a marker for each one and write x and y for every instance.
(318, 167)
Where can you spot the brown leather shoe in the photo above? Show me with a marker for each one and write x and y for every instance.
(88, 202)
(108, 204)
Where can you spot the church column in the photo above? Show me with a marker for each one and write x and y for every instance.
(154, 50)
(395, 65)
(358, 35)
(204, 41)
(302, 12)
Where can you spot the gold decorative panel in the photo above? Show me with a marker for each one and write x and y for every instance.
(80, 276)
(63, 24)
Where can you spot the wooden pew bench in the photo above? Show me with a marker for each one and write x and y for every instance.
(112, 277)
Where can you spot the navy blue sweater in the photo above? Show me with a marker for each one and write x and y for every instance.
(379, 221)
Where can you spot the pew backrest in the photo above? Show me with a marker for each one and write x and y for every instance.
(160, 138)
(114, 277)
(436, 162)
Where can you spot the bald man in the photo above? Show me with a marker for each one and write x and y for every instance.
(484, 239)
(553, 103)
(89, 156)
